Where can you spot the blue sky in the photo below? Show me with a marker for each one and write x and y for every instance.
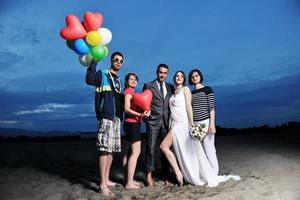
(248, 52)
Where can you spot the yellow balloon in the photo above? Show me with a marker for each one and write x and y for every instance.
(93, 38)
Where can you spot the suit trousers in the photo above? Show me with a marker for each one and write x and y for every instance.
(156, 134)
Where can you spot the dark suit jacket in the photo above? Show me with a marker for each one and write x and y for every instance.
(159, 106)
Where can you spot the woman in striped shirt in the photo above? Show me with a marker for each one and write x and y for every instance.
(204, 113)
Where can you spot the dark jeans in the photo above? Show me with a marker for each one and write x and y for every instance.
(155, 133)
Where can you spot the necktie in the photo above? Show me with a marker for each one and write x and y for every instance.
(161, 90)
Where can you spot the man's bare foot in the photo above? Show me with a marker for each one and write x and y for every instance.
(149, 180)
(111, 184)
(105, 191)
(132, 186)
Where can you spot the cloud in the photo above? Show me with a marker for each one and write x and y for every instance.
(86, 115)
(26, 35)
(21, 37)
(44, 110)
(28, 102)
(8, 60)
(14, 124)
(49, 107)
(240, 53)
(58, 105)
(49, 81)
(6, 122)
(256, 103)
(36, 111)
(252, 104)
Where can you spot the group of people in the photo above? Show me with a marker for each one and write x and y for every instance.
(173, 111)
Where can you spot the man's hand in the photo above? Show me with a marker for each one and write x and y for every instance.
(146, 113)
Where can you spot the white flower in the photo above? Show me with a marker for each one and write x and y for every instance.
(197, 132)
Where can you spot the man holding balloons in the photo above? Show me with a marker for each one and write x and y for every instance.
(109, 108)
(88, 39)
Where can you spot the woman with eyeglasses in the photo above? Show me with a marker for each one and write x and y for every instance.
(203, 103)
(205, 158)
(132, 123)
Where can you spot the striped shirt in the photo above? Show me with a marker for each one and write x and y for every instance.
(203, 101)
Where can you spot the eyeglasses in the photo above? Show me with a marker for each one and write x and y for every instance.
(118, 60)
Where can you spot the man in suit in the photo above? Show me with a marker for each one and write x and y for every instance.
(157, 123)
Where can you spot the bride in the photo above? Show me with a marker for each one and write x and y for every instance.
(194, 165)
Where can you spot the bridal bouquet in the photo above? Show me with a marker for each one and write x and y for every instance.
(197, 132)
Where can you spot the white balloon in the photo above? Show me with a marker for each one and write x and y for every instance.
(85, 60)
(106, 35)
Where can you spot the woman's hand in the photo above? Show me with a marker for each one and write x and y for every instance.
(211, 129)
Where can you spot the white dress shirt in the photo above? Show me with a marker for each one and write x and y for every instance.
(164, 87)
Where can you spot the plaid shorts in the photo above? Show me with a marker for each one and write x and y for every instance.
(109, 135)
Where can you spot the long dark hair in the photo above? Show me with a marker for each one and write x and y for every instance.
(184, 79)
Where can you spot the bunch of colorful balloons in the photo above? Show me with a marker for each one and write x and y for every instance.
(87, 38)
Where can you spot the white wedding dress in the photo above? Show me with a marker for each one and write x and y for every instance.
(191, 157)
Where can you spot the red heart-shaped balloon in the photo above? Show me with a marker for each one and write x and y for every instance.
(91, 21)
(74, 29)
(143, 100)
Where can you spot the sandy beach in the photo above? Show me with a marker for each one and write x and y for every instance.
(268, 165)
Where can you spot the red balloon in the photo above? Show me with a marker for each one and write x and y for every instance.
(74, 29)
(91, 21)
(143, 100)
